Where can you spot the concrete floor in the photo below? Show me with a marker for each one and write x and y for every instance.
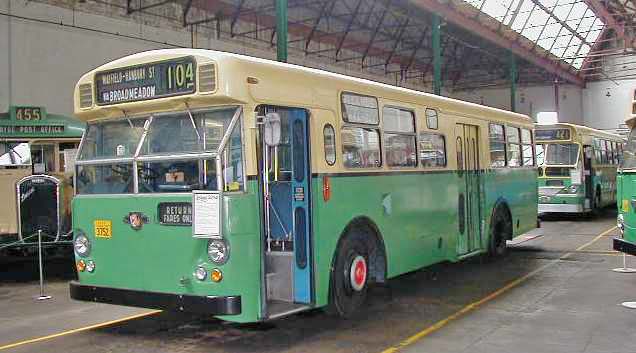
(570, 304)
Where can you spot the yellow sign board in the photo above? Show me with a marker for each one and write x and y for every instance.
(103, 228)
(625, 206)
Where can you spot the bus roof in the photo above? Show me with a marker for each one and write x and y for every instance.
(24, 122)
(293, 80)
(581, 129)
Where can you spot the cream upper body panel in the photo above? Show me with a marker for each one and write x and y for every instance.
(278, 83)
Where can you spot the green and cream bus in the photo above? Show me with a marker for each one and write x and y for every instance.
(37, 152)
(626, 190)
(577, 168)
(250, 189)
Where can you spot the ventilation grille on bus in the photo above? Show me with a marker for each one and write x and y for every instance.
(207, 78)
(86, 95)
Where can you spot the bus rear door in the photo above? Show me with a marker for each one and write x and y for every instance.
(468, 168)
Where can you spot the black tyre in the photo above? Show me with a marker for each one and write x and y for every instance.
(349, 275)
(500, 231)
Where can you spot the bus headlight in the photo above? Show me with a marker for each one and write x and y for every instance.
(82, 245)
(572, 189)
(90, 266)
(620, 223)
(200, 273)
(218, 251)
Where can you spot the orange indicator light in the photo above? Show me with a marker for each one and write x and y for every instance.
(81, 265)
(216, 275)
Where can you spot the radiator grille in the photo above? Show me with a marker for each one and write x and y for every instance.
(86, 95)
(207, 78)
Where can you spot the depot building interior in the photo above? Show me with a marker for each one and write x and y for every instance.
(354, 176)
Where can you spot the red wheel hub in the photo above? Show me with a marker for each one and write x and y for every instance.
(358, 273)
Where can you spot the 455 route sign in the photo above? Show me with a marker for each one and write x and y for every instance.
(146, 81)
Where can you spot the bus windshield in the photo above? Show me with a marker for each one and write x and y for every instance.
(14, 153)
(629, 154)
(172, 152)
(561, 153)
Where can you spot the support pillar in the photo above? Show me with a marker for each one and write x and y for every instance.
(513, 82)
(437, 55)
(281, 30)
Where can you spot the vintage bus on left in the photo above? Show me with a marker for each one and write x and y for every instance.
(37, 153)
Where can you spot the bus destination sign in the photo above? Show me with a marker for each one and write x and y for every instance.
(146, 81)
(552, 134)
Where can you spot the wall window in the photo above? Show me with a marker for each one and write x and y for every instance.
(526, 147)
(432, 149)
(497, 146)
(329, 136)
(431, 118)
(359, 109)
(399, 137)
(360, 147)
(514, 146)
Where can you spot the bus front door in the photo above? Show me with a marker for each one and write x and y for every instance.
(468, 199)
(286, 176)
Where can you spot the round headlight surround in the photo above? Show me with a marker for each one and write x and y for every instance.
(82, 245)
(620, 222)
(218, 250)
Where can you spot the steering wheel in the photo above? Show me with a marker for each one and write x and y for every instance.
(147, 173)
(123, 170)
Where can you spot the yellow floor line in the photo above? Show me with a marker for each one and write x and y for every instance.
(81, 329)
(474, 305)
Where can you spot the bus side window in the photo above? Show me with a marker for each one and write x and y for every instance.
(432, 149)
(497, 146)
(514, 146)
(399, 137)
(597, 151)
(526, 149)
(329, 139)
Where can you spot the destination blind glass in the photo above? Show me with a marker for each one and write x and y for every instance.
(552, 134)
(147, 81)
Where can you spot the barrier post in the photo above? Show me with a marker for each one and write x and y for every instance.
(624, 269)
(42, 295)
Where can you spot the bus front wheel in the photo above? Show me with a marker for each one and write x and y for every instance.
(349, 276)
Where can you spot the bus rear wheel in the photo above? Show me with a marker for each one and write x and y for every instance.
(349, 276)
(500, 231)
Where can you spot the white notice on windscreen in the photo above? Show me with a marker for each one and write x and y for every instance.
(206, 214)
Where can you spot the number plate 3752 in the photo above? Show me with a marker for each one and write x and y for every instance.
(103, 228)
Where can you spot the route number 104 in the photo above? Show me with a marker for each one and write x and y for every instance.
(180, 76)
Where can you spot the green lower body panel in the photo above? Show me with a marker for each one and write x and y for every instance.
(420, 218)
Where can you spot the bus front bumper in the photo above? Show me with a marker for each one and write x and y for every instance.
(230, 305)
(624, 246)
(560, 208)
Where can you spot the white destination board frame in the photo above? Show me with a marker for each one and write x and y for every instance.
(206, 214)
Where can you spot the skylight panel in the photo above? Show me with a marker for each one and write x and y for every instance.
(560, 30)
(496, 8)
(524, 12)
